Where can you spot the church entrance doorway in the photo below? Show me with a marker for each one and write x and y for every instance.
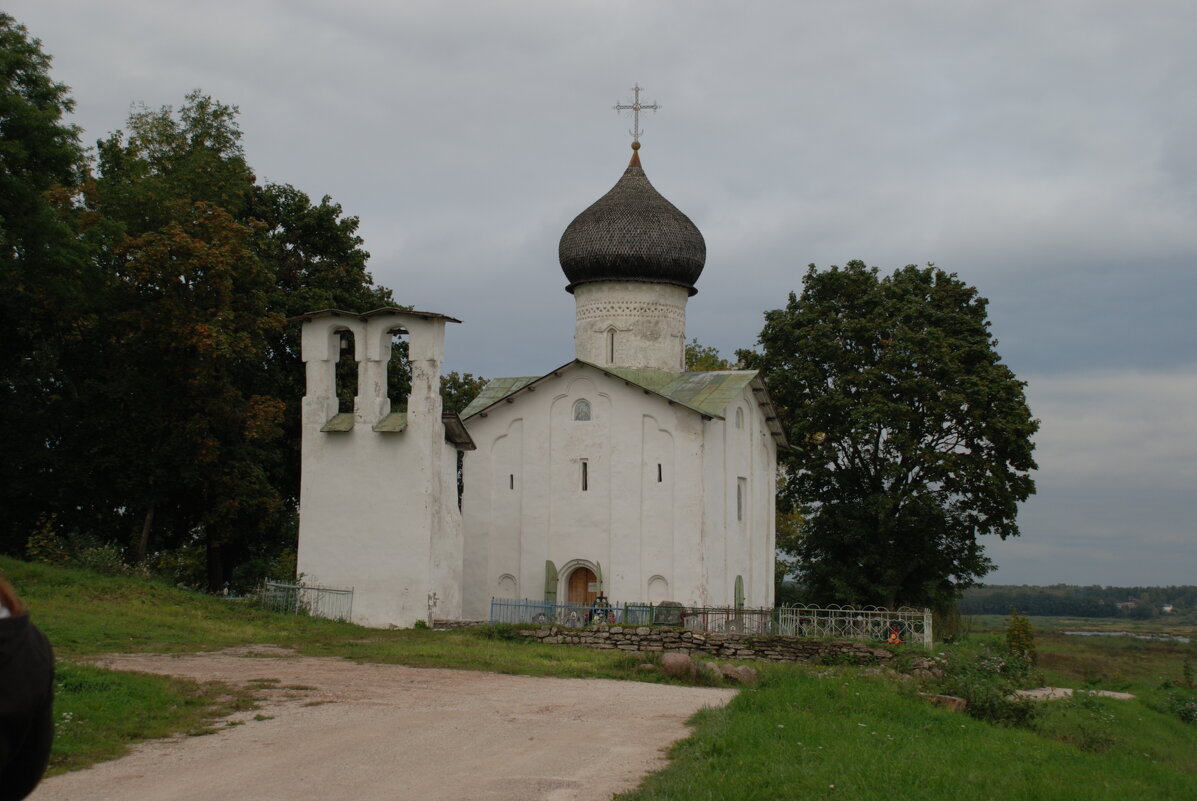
(582, 588)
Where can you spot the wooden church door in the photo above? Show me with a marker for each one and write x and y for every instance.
(583, 587)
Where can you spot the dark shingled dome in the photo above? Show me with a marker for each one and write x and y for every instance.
(632, 234)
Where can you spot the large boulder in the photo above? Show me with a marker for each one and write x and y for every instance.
(677, 664)
(739, 674)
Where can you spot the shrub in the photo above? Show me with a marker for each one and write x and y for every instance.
(45, 546)
(987, 682)
(1020, 641)
(1183, 705)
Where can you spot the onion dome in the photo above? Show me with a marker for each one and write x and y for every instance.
(632, 233)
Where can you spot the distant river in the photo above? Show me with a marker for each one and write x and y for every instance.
(1136, 635)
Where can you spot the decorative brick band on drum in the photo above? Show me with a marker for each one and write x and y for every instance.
(659, 311)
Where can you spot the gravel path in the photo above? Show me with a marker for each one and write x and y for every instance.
(343, 730)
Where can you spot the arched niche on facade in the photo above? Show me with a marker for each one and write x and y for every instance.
(507, 586)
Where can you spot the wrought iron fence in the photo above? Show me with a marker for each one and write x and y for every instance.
(300, 599)
(865, 623)
(871, 623)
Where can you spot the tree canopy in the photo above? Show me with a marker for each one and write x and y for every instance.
(704, 358)
(910, 439)
(150, 382)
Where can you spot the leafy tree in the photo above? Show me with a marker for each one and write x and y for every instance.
(910, 438)
(458, 389)
(190, 309)
(702, 358)
(47, 277)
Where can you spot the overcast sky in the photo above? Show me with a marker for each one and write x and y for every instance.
(1043, 151)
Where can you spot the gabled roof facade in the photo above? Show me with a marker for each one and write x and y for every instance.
(706, 393)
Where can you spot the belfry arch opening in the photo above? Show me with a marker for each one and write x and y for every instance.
(399, 370)
(346, 371)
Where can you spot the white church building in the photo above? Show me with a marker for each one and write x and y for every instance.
(618, 473)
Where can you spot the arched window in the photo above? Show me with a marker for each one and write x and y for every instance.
(739, 417)
(610, 346)
(582, 409)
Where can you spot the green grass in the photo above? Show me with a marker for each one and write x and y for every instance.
(85, 614)
(99, 713)
(809, 733)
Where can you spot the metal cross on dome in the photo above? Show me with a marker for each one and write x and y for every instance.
(636, 107)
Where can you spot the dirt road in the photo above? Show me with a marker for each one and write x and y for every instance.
(341, 730)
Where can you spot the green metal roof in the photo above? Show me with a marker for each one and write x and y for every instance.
(339, 423)
(495, 391)
(393, 423)
(707, 393)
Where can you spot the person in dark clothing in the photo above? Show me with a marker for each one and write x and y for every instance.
(26, 698)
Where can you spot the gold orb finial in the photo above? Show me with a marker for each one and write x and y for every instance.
(635, 145)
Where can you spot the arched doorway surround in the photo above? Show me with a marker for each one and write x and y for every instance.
(579, 583)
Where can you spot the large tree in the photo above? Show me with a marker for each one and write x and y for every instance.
(47, 278)
(910, 439)
(207, 267)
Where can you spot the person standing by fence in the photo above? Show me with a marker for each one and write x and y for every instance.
(26, 698)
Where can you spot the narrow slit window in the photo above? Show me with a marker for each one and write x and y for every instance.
(511, 481)
(741, 497)
(610, 346)
(585, 476)
(460, 478)
(660, 473)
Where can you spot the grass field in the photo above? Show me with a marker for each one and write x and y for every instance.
(805, 732)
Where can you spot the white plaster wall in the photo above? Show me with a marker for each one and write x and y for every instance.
(743, 547)
(648, 320)
(378, 511)
(674, 539)
(627, 522)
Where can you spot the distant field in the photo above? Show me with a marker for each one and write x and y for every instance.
(1159, 625)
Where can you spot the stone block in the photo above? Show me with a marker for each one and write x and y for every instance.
(947, 701)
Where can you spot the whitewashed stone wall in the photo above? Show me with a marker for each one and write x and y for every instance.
(378, 511)
(631, 324)
(659, 510)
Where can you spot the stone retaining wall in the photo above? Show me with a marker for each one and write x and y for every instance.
(771, 648)
(450, 625)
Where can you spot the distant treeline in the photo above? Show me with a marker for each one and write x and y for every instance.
(1073, 601)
